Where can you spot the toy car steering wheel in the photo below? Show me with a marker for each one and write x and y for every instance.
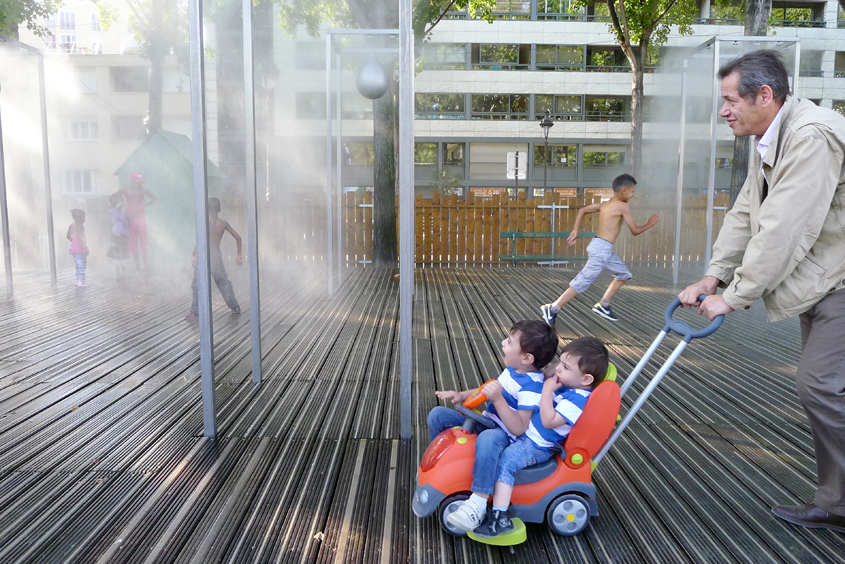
(467, 409)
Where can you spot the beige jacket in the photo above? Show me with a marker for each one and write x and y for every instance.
(790, 248)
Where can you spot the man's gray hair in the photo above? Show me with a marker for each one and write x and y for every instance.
(756, 69)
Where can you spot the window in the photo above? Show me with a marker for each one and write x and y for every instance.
(444, 55)
(602, 158)
(568, 108)
(560, 155)
(513, 7)
(500, 57)
(95, 22)
(453, 154)
(839, 106)
(83, 130)
(359, 153)
(312, 105)
(558, 9)
(310, 55)
(727, 12)
(605, 109)
(811, 63)
(130, 79)
(500, 106)
(560, 57)
(796, 17)
(128, 128)
(355, 106)
(603, 59)
(839, 64)
(67, 21)
(439, 106)
(80, 181)
(425, 153)
(67, 43)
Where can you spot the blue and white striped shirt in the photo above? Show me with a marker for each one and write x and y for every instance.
(570, 404)
(521, 392)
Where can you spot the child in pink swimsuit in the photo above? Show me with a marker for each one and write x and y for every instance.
(78, 244)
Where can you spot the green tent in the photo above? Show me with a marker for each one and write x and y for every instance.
(165, 160)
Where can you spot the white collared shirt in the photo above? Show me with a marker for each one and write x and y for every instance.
(766, 140)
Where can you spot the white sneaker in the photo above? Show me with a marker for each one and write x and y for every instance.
(466, 517)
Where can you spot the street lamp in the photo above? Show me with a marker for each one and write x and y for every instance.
(546, 123)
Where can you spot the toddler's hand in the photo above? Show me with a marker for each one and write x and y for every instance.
(493, 390)
(239, 260)
(653, 220)
(448, 395)
(552, 383)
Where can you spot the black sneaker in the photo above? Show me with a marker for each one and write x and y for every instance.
(191, 317)
(236, 310)
(605, 311)
(495, 523)
(549, 316)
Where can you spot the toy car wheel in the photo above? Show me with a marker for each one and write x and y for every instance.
(447, 506)
(568, 515)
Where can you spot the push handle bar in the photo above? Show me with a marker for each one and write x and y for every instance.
(683, 328)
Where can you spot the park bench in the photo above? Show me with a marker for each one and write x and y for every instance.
(514, 235)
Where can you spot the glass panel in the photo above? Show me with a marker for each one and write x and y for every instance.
(567, 104)
(453, 154)
(546, 54)
(499, 53)
(425, 153)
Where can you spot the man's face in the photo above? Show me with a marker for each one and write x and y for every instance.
(745, 117)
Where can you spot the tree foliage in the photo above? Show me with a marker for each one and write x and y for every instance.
(13, 13)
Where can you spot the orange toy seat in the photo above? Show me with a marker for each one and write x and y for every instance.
(595, 424)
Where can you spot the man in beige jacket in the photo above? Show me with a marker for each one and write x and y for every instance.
(784, 241)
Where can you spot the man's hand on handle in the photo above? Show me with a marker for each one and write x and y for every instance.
(713, 305)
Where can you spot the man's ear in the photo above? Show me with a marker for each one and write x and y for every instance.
(587, 380)
(766, 95)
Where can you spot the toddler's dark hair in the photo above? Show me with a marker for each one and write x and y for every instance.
(214, 205)
(592, 357)
(115, 199)
(538, 339)
(77, 215)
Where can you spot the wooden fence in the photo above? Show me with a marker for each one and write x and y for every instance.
(453, 231)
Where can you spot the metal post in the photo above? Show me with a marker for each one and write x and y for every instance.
(330, 275)
(406, 212)
(339, 158)
(251, 195)
(679, 191)
(711, 183)
(4, 218)
(209, 411)
(48, 191)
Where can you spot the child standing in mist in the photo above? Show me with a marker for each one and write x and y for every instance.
(119, 250)
(216, 229)
(78, 244)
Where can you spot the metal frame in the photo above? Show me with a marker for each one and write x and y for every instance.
(251, 195)
(339, 141)
(48, 191)
(209, 409)
(715, 43)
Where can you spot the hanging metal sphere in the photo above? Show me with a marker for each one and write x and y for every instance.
(372, 79)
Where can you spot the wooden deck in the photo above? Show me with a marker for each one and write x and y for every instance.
(102, 457)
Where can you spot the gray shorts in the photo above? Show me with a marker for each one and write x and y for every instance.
(601, 257)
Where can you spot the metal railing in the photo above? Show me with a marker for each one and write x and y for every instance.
(500, 66)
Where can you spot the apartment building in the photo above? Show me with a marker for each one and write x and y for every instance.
(484, 87)
(480, 92)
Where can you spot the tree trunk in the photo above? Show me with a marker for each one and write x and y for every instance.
(384, 173)
(154, 114)
(637, 107)
(757, 14)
